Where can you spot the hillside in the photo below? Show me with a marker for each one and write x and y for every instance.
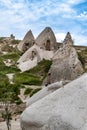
(12, 80)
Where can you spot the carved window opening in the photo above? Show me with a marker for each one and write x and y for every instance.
(33, 55)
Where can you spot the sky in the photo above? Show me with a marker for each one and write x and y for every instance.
(19, 16)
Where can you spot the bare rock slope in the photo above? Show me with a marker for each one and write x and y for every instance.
(66, 65)
(64, 109)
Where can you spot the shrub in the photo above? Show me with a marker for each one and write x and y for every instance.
(15, 41)
(41, 69)
(27, 91)
(8, 69)
(81, 58)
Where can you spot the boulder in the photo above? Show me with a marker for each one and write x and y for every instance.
(64, 109)
(44, 92)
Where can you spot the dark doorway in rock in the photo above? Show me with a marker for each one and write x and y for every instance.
(48, 45)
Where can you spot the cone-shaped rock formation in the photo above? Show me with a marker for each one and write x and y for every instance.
(27, 42)
(46, 39)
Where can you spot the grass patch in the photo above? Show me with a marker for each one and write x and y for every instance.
(4, 81)
(34, 76)
(9, 92)
(27, 79)
(8, 69)
(14, 56)
(27, 91)
(41, 69)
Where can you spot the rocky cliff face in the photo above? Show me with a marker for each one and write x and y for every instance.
(66, 65)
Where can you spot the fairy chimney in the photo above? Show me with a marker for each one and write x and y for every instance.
(27, 42)
(66, 65)
(68, 39)
(46, 40)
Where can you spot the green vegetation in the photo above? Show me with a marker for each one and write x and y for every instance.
(83, 58)
(41, 69)
(3, 81)
(9, 92)
(34, 76)
(27, 91)
(8, 69)
(15, 41)
(14, 56)
(27, 79)
(34, 91)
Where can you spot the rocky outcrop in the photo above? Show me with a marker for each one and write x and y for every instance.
(44, 92)
(36, 50)
(47, 40)
(32, 56)
(68, 39)
(27, 42)
(66, 65)
(64, 109)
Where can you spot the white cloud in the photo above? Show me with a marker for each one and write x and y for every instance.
(74, 1)
(18, 16)
(60, 36)
(82, 16)
(79, 39)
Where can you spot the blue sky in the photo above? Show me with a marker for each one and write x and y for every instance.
(19, 16)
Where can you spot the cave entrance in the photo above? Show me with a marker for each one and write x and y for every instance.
(48, 45)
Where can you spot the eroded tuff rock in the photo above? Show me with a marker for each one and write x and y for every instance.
(32, 56)
(44, 92)
(64, 109)
(47, 40)
(66, 65)
(27, 42)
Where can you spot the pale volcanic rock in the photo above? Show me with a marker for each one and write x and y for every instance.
(64, 109)
(32, 56)
(66, 65)
(27, 42)
(47, 40)
(44, 92)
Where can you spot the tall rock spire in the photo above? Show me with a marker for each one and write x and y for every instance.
(68, 39)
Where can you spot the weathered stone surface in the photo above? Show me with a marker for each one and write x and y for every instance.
(68, 39)
(27, 42)
(66, 65)
(47, 40)
(32, 56)
(64, 109)
(44, 92)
